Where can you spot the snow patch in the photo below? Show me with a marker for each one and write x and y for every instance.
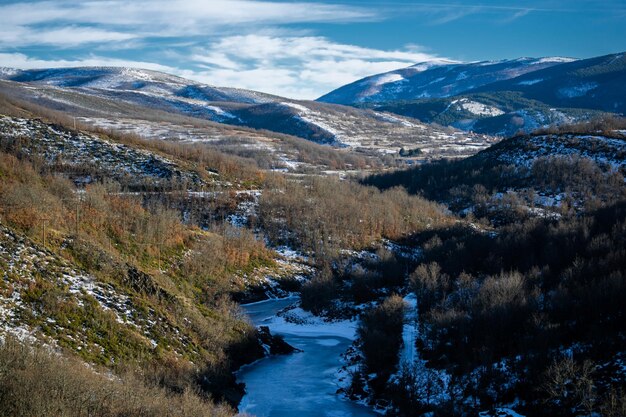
(577, 91)
(302, 323)
(409, 354)
(556, 59)
(296, 106)
(500, 412)
(530, 82)
(480, 109)
(387, 79)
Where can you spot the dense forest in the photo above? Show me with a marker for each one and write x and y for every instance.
(521, 303)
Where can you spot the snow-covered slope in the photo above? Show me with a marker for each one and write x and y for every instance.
(523, 151)
(114, 93)
(84, 155)
(596, 83)
(564, 93)
(439, 79)
(132, 79)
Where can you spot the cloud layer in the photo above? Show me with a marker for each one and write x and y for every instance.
(303, 66)
(239, 43)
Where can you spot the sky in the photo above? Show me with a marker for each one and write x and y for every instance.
(299, 49)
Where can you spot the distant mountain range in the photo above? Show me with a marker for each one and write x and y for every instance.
(106, 95)
(434, 80)
(499, 97)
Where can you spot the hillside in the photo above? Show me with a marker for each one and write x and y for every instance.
(127, 254)
(507, 97)
(434, 80)
(101, 95)
(103, 253)
(595, 83)
(460, 286)
(502, 114)
(540, 173)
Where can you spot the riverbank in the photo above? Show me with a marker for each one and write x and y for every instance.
(303, 383)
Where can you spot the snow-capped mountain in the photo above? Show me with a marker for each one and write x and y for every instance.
(132, 79)
(109, 94)
(523, 95)
(432, 80)
(597, 83)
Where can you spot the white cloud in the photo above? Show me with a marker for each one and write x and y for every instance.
(176, 17)
(22, 61)
(19, 36)
(272, 59)
(297, 67)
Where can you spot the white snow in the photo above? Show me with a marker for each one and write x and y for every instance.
(500, 412)
(221, 112)
(302, 109)
(409, 354)
(246, 208)
(393, 119)
(480, 109)
(387, 78)
(598, 148)
(578, 90)
(556, 59)
(302, 323)
(423, 66)
(8, 72)
(530, 82)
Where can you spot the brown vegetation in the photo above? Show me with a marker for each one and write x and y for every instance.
(35, 382)
(323, 214)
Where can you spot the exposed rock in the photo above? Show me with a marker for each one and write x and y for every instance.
(276, 343)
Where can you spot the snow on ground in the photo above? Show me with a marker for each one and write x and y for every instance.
(480, 109)
(246, 208)
(60, 146)
(530, 82)
(387, 134)
(500, 412)
(24, 261)
(556, 59)
(8, 72)
(221, 112)
(316, 118)
(302, 109)
(394, 119)
(291, 254)
(302, 323)
(386, 79)
(409, 354)
(578, 90)
(407, 252)
(601, 149)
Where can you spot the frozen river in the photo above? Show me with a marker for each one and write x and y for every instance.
(301, 384)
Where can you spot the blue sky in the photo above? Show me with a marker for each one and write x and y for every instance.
(299, 49)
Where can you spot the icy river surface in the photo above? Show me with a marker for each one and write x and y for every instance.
(304, 383)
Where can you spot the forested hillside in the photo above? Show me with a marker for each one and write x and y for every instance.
(520, 305)
(472, 285)
(115, 250)
(127, 254)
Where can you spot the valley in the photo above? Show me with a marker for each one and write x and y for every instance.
(177, 249)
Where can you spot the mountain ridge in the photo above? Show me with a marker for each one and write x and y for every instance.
(434, 80)
(71, 89)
